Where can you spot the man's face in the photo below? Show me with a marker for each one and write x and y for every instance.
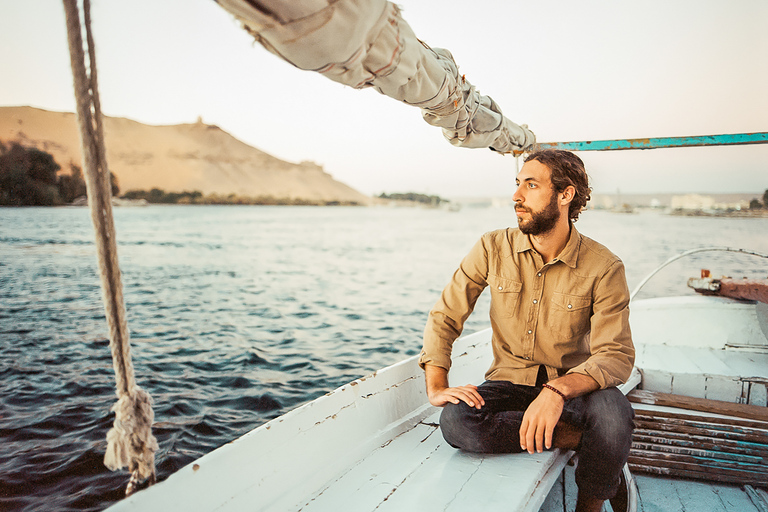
(536, 201)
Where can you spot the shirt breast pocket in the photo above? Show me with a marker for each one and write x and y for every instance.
(505, 296)
(570, 315)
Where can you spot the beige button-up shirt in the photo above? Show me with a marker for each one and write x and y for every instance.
(570, 315)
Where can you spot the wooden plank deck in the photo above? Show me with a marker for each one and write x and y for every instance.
(660, 494)
(418, 470)
(722, 358)
(717, 374)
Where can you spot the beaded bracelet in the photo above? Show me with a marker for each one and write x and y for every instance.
(553, 388)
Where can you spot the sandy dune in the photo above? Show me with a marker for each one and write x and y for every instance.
(177, 158)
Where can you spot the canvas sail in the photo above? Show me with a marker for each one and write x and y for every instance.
(367, 43)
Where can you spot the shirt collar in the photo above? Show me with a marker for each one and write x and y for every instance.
(520, 241)
(569, 255)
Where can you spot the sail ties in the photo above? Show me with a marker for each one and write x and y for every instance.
(130, 442)
(367, 43)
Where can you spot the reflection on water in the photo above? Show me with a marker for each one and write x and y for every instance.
(238, 314)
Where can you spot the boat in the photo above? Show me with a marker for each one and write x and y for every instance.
(375, 444)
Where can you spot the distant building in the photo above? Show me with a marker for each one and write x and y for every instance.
(698, 202)
(601, 202)
(692, 202)
(734, 205)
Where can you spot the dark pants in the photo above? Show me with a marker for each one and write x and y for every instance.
(604, 418)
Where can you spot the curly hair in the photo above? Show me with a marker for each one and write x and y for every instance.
(566, 170)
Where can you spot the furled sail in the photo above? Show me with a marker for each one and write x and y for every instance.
(366, 43)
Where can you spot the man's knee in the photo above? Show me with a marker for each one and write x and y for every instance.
(481, 430)
(456, 424)
(606, 442)
(609, 415)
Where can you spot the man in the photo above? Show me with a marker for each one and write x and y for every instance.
(561, 339)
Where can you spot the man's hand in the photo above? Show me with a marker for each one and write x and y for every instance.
(539, 421)
(541, 417)
(440, 393)
(467, 394)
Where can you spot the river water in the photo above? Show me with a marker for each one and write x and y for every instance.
(239, 314)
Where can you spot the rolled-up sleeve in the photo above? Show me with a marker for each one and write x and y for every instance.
(447, 317)
(612, 353)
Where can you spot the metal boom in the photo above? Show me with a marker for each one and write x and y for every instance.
(659, 142)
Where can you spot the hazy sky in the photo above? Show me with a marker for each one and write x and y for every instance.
(581, 70)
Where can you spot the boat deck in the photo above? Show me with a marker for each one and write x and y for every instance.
(724, 359)
(420, 471)
(663, 494)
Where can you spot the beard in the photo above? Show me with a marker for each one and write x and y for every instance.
(542, 221)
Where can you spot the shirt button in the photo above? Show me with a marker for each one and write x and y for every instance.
(570, 306)
(535, 301)
(501, 288)
(530, 332)
(539, 274)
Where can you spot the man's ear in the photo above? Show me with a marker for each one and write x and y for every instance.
(567, 195)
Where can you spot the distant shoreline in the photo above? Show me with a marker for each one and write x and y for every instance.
(736, 214)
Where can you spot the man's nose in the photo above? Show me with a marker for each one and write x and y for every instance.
(517, 196)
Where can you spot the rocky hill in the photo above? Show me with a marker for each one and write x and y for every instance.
(178, 158)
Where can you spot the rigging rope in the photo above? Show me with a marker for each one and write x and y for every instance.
(130, 442)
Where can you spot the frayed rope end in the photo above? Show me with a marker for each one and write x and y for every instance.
(130, 443)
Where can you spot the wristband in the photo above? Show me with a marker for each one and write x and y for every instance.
(553, 388)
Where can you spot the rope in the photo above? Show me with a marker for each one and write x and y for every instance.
(130, 442)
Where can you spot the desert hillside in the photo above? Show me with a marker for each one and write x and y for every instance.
(177, 158)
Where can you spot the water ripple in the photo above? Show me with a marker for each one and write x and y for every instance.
(237, 315)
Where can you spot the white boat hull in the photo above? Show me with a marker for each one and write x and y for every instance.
(374, 444)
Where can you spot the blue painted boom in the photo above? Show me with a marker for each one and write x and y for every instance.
(660, 142)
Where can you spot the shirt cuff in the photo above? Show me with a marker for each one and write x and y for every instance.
(441, 360)
(603, 378)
